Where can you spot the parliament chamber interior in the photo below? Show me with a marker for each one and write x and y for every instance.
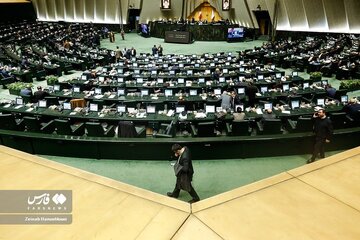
(235, 81)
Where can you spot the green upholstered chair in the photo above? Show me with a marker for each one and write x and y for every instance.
(63, 127)
(95, 129)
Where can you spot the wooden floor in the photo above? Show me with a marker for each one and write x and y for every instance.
(316, 201)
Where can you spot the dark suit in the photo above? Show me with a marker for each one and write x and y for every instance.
(184, 177)
(39, 95)
(323, 130)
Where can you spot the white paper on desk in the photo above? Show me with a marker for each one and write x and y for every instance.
(67, 93)
(18, 106)
(29, 109)
(98, 96)
(286, 112)
(258, 94)
(102, 115)
(7, 105)
(258, 111)
(267, 80)
(72, 113)
(111, 96)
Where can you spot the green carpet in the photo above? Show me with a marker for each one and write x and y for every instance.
(211, 176)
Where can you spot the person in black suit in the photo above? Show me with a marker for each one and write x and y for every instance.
(323, 130)
(185, 175)
(40, 94)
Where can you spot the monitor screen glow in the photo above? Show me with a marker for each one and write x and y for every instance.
(121, 109)
(76, 89)
(263, 89)
(102, 78)
(160, 80)
(344, 99)
(286, 87)
(121, 92)
(181, 65)
(168, 92)
(154, 72)
(210, 108)
(172, 72)
(295, 104)
(260, 77)
(306, 85)
(56, 87)
(19, 101)
(139, 80)
(201, 80)
(235, 33)
(241, 90)
(120, 80)
(42, 103)
(320, 102)
(217, 91)
(180, 109)
(193, 92)
(295, 74)
(242, 69)
(98, 91)
(93, 107)
(150, 109)
(221, 79)
(84, 77)
(278, 75)
(225, 70)
(67, 106)
(181, 81)
(144, 92)
(189, 72)
(268, 106)
(207, 71)
(212, 64)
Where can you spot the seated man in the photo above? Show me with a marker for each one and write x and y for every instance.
(268, 114)
(239, 114)
(40, 94)
(26, 91)
(352, 109)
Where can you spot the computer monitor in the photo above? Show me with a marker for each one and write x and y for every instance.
(180, 109)
(66, 105)
(324, 82)
(227, 63)
(150, 109)
(121, 91)
(146, 60)
(268, 105)
(56, 87)
(263, 89)
(168, 92)
(344, 99)
(217, 91)
(277, 75)
(174, 60)
(242, 62)
(260, 77)
(104, 69)
(181, 55)
(295, 74)
(98, 91)
(19, 101)
(225, 70)
(144, 92)
(121, 108)
(153, 72)
(76, 89)
(172, 72)
(207, 71)
(212, 64)
(197, 65)
(242, 69)
(42, 103)
(285, 87)
(84, 77)
(210, 108)
(94, 107)
(189, 72)
(193, 92)
(139, 80)
(101, 78)
(295, 104)
(201, 80)
(181, 81)
(137, 71)
(221, 79)
(239, 105)
(120, 80)
(320, 102)
(181, 65)
(241, 90)
(135, 64)
(165, 65)
(306, 85)
(160, 80)
(272, 66)
(120, 70)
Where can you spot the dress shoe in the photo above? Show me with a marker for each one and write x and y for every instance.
(310, 160)
(170, 194)
(193, 200)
